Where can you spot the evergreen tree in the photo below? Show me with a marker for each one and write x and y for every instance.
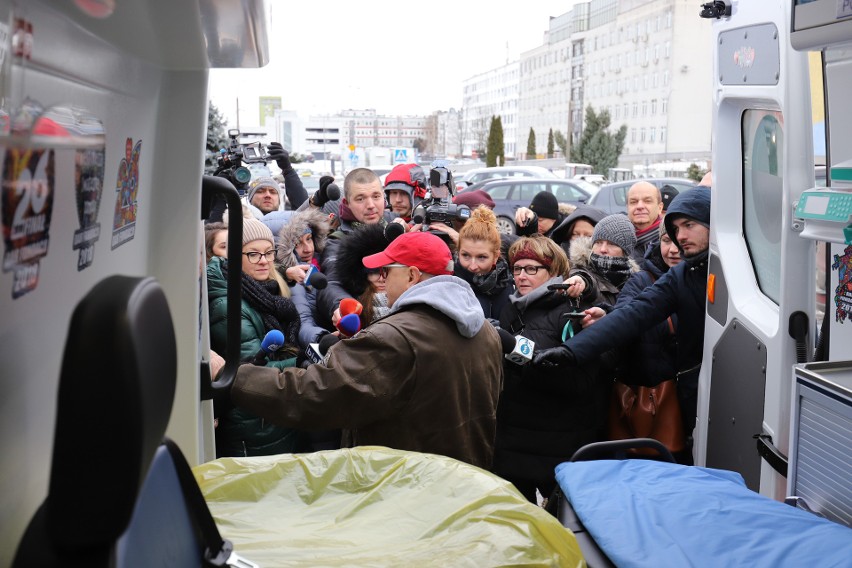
(501, 149)
(598, 147)
(561, 142)
(531, 145)
(695, 173)
(550, 143)
(495, 152)
(217, 138)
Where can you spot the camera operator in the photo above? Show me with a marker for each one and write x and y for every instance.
(232, 168)
(438, 214)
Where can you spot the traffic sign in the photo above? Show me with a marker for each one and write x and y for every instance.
(400, 156)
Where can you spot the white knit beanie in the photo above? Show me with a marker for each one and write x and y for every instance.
(254, 230)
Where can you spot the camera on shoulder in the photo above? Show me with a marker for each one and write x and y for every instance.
(438, 207)
(231, 160)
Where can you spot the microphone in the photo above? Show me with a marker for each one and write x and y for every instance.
(318, 352)
(325, 193)
(349, 325)
(350, 306)
(518, 349)
(272, 342)
(315, 279)
(393, 230)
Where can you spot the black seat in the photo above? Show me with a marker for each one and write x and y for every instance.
(116, 497)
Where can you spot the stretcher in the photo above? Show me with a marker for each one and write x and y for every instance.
(640, 513)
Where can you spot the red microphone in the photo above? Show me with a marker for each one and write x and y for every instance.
(350, 306)
(350, 319)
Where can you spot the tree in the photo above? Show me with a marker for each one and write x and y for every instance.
(531, 144)
(494, 155)
(550, 143)
(420, 145)
(695, 173)
(217, 138)
(598, 147)
(561, 142)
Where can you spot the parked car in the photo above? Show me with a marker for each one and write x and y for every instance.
(612, 197)
(477, 175)
(509, 194)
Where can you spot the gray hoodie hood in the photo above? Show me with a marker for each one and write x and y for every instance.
(451, 296)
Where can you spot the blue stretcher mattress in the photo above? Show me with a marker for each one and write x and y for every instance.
(648, 513)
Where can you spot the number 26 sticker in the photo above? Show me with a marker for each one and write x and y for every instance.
(27, 199)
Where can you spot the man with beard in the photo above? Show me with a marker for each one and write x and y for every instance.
(681, 291)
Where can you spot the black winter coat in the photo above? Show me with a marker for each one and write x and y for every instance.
(544, 415)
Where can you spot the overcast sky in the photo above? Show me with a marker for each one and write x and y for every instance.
(395, 57)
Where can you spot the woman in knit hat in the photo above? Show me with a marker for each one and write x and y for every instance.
(602, 264)
(265, 305)
(478, 262)
(544, 414)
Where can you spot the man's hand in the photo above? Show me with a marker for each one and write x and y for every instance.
(335, 317)
(281, 156)
(553, 357)
(523, 216)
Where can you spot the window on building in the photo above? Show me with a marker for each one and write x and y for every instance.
(642, 135)
(664, 106)
(662, 134)
(633, 135)
(644, 108)
(653, 107)
(635, 109)
(666, 78)
(655, 79)
(667, 49)
(652, 135)
(669, 19)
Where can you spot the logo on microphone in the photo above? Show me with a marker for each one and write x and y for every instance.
(524, 346)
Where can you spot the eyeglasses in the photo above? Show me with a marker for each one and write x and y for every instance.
(383, 271)
(254, 257)
(530, 269)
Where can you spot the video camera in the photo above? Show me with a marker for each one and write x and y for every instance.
(439, 206)
(231, 160)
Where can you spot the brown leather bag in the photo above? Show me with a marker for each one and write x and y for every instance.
(647, 412)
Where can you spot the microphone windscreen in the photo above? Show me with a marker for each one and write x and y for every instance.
(326, 342)
(272, 341)
(332, 192)
(393, 230)
(417, 219)
(350, 306)
(317, 280)
(507, 341)
(349, 325)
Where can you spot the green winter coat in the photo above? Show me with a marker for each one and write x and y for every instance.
(241, 433)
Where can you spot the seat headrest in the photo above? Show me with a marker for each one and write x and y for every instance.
(116, 390)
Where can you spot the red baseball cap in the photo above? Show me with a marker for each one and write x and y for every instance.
(425, 251)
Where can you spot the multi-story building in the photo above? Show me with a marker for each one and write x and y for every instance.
(647, 63)
(492, 93)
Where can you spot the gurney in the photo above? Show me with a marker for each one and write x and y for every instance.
(651, 513)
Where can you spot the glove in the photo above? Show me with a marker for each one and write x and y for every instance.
(554, 357)
(320, 198)
(281, 156)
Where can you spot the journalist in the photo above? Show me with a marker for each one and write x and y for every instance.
(424, 378)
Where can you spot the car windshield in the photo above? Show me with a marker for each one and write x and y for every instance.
(590, 188)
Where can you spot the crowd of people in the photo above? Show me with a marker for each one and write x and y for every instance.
(612, 304)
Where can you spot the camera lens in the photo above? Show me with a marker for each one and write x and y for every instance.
(242, 174)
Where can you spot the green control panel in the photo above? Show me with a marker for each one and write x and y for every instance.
(825, 205)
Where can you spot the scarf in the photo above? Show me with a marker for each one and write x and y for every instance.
(380, 305)
(276, 311)
(490, 284)
(648, 234)
(616, 269)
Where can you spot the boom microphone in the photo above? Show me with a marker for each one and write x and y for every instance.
(272, 342)
(518, 349)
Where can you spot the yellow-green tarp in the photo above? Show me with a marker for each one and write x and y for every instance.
(372, 506)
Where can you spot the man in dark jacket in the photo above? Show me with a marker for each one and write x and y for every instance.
(681, 290)
(424, 378)
(542, 216)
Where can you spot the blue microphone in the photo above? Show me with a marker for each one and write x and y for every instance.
(272, 342)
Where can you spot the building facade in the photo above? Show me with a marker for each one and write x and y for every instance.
(492, 93)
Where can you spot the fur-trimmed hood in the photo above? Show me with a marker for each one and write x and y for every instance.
(354, 246)
(292, 231)
(580, 253)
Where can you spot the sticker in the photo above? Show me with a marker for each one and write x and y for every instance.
(843, 292)
(27, 196)
(126, 186)
(88, 186)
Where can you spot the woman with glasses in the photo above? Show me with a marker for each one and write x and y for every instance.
(544, 414)
(265, 305)
(478, 262)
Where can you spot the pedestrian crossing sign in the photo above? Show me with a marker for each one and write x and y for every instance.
(400, 156)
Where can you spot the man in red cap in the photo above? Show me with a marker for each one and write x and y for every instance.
(425, 378)
(405, 188)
